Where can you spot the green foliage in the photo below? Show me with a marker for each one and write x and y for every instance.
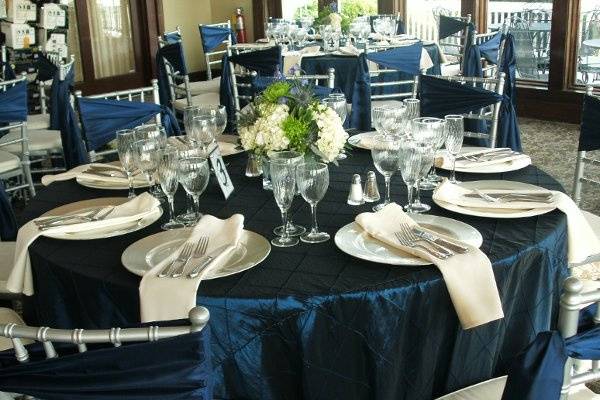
(306, 11)
(276, 91)
(298, 129)
(350, 10)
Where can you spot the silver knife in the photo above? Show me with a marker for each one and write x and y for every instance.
(483, 152)
(443, 242)
(206, 260)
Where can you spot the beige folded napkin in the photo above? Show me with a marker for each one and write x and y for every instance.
(446, 160)
(582, 241)
(172, 298)
(227, 148)
(368, 140)
(349, 50)
(469, 277)
(20, 279)
(85, 171)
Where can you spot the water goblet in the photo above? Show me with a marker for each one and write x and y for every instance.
(283, 178)
(293, 158)
(146, 159)
(125, 140)
(219, 113)
(313, 181)
(189, 112)
(378, 113)
(455, 132)
(430, 131)
(413, 110)
(412, 154)
(152, 132)
(386, 154)
(189, 216)
(167, 176)
(194, 174)
(203, 130)
(301, 35)
(427, 157)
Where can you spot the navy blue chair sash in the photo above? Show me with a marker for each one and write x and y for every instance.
(264, 62)
(8, 223)
(9, 73)
(537, 373)
(13, 103)
(490, 48)
(449, 26)
(45, 68)
(406, 58)
(213, 36)
(361, 96)
(589, 136)
(174, 54)
(168, 369)
(99, 130)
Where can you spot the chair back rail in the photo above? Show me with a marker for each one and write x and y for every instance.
(178, 81)
(215, 57)
(572, 301)
(375, 71)
(198, 317)
(491, 70)
(455, 45)
(582, 160)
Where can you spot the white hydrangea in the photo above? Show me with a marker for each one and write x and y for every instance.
(266, 134)
(331, 136)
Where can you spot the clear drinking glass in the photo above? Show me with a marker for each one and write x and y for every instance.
(455, 132)
(189, 112)
(386, 153)
(152, 132)
(189, 216)
(313, 181)
(146, 159)
(194, 174)
(293, 158)
(412, 154)
(167, 176)
(337, 102)
(413, 110)
(378, 113)
(219, 113)
(125, 140)
(393, 120)
(203, 130)
(431, 132)
(427, 158)
(283, 178)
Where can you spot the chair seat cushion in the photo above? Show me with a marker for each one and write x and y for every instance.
(39, 140)
(38, 121)
(206, 98)
(488, 390)
(594, 222)
(7, 255)
(200, 87)
(8, 161)
(450, 69)
(8, 316)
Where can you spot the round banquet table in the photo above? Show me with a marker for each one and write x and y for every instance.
(311, 322)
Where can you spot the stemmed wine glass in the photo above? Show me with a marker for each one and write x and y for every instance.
(125, 140)
(413, 110)
(203, 130)
(293, 158)
(455, 128)
(189, 112)
(427, 158)
(283, 178)
(189, 216)
(412, 159)
(152, 132)
(439, 138)
(386, 153)
(194, 174)
(146, 158)
(378, 113)
(337, 102)
(167, 176)
(313, 181)
(219, 113)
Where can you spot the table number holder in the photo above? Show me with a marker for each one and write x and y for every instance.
(220, 169)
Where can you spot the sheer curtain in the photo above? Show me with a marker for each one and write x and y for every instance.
(73, 40)
(112, 43)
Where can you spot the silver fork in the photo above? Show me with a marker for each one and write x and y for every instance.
(85, 216)
(96, 216)
(408, 232)
(522, 197)
(408, 243)
(199, 251)
(183, 257)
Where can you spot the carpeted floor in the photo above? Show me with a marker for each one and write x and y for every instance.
(553, 147)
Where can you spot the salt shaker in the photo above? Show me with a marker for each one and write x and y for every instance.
(371, 192)
(355, 198)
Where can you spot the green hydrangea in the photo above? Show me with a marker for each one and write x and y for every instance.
(298, 129)
(276, 91)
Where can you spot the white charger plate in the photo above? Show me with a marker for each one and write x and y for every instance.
(358, 139)
(105, 232)
(496, 213)
(355, 241)
(148, 252)
(515, 165)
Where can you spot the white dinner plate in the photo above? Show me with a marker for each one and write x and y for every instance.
(228, 145)
(355, 241)
(148, 252)
(359, 141)
(490, 169)
(100, 233)
(498, 212)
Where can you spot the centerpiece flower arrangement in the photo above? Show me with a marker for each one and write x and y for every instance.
(288, 116)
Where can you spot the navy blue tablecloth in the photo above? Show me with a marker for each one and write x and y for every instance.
(311, 322)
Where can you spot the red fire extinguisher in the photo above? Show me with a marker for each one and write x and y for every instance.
(240, 27)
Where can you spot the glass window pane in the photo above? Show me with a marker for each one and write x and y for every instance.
(112, 41)
(293, 9)
(530, 23)
(350, 9)
(420, 16)
(588, 42)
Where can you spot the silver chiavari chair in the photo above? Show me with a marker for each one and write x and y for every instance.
(326, 80)
(183, 91)
(490, 70)
(215, 57)
(143, 95)
(454, 47)
(576, 373)
(15, 167)
(398, 90)
(3, 61)
(489, 114)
